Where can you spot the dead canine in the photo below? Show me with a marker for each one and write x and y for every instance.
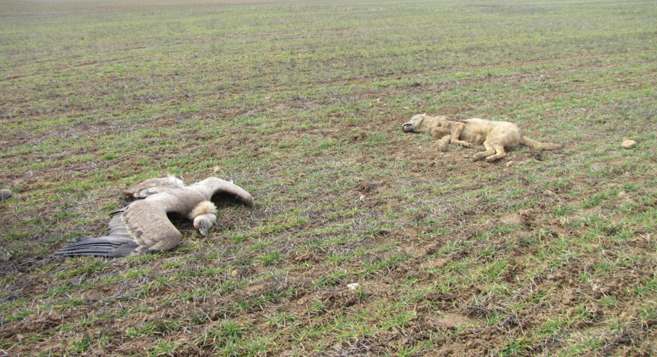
(495, 135)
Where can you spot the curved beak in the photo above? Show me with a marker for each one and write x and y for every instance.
(204, 227)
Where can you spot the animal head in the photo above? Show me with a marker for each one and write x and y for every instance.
(416, 125)
(205, 216)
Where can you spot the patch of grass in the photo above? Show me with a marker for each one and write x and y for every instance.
(301, 103)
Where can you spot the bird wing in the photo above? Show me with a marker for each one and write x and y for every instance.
(141, 227)
(148, 224)
(214, 188)
(153, 186)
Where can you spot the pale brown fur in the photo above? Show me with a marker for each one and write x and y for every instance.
(495, 135)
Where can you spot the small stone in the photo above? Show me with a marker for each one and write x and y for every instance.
(628, 144)
(5, 194)
(508, 164)
(353, 287)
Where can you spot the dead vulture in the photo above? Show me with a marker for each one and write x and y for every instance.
(143, 225)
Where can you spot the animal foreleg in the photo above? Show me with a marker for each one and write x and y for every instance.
(456, 130)
(442, 143)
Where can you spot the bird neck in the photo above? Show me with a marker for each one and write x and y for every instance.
(204, 207)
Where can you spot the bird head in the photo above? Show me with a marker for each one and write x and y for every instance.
(204, 216)
(204, 222)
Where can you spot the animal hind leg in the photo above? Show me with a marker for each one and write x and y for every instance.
(499, 153)
(484, 154)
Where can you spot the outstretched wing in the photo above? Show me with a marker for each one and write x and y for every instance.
(152, 186)
(139, 228)
(217, 189)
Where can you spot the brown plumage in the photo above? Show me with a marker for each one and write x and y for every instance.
(143, 225)
(152, 186)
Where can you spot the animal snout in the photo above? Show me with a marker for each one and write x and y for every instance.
(408, 127)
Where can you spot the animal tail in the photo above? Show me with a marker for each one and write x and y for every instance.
(538, 145)
(107, 246)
